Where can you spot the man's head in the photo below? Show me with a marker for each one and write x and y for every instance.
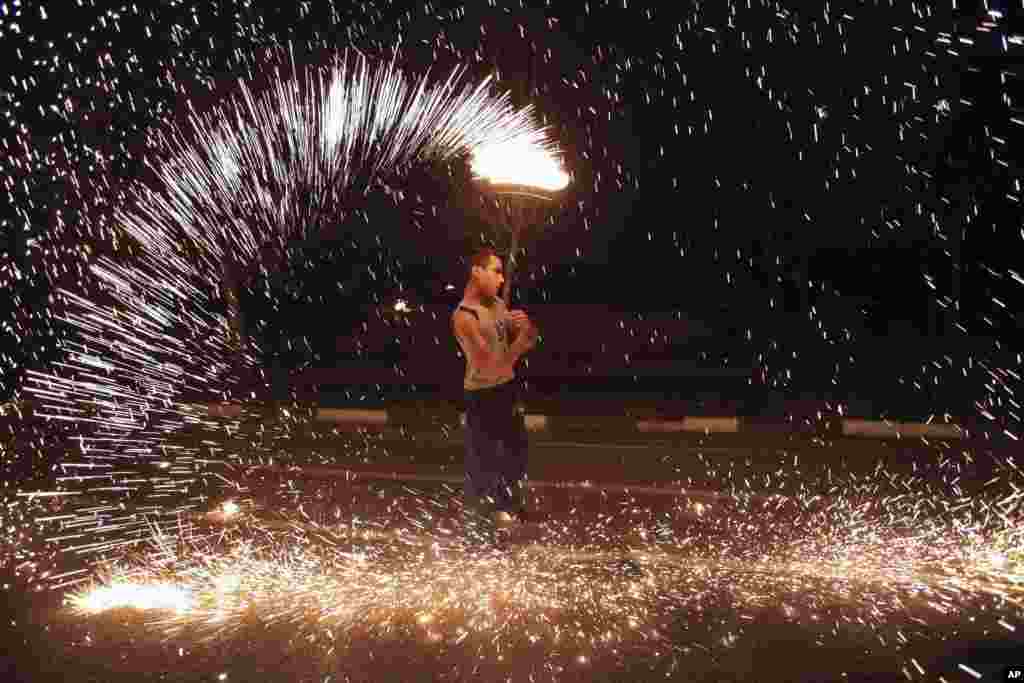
(486, 274)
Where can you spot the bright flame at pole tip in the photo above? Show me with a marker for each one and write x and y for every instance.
(521, 161)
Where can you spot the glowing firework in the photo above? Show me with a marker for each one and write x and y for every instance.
(136, 596)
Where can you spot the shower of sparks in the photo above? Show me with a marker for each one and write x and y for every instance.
(258, 169)
(776, 136)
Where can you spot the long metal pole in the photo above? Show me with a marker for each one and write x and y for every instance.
(510, 268)
(517, 202)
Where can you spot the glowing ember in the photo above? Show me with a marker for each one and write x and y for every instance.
(136, 596)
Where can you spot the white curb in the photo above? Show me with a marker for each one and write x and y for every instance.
(889, 429)
(691, 424)
(370, 417)
(876, 429)
(540, 423)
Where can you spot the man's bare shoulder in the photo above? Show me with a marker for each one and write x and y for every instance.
(461, 318)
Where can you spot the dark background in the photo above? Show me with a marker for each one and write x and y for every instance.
(769, 204)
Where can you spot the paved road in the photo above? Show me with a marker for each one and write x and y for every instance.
(764, 465)
(696, 601)
(690, 617)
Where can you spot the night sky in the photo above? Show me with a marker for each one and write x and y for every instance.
(830, 191)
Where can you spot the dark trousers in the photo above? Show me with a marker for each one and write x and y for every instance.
(496, 451)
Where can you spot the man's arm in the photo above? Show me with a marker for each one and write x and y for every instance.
(468, 328)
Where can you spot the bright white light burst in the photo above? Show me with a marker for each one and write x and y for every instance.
(136, 596)
(521, 161)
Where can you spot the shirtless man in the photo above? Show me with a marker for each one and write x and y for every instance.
(492, 340)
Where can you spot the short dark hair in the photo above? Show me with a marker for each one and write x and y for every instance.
(481, 257)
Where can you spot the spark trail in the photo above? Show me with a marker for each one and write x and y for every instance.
(261, 168)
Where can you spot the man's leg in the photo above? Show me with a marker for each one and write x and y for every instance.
(515, 461)
(478, 493)
(512, 457)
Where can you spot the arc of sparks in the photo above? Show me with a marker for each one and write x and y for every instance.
(261, 168)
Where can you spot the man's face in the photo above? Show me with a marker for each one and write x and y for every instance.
(490, 279)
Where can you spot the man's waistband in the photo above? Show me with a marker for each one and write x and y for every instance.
(511, 386)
